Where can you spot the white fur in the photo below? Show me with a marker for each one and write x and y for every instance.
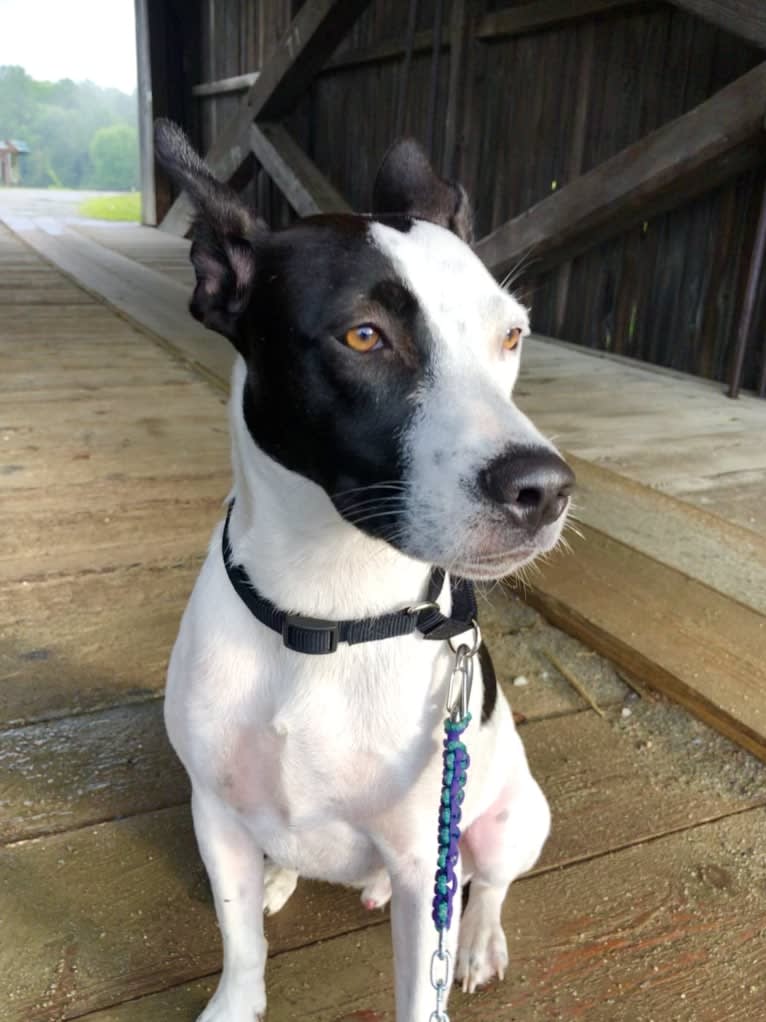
(330, 765)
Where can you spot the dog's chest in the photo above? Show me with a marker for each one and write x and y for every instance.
(343, 740)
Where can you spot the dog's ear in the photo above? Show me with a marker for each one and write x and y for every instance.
(225, 233)
(407, 183)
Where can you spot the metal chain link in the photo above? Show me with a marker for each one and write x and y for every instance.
(440, 983)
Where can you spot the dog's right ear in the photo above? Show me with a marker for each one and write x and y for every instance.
(224, 235)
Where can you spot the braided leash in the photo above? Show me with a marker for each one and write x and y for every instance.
(455, 763)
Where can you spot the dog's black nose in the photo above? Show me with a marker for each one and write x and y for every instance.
(533, 485)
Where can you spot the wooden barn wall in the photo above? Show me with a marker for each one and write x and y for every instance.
(544, 107)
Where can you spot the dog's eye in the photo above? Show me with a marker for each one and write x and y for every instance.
(511, 339)
(363, 338)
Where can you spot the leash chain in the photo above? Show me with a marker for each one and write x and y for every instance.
(455, 763)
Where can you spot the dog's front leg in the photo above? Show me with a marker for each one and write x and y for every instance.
(414, 936)
(235, 866)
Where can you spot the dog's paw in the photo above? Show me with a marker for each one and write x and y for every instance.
(482, 952)
(278, 885)
(377, 893)
(229, 1005)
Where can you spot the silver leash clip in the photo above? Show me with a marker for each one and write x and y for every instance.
(460, 684)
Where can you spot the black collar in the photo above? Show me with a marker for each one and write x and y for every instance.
(315, 635)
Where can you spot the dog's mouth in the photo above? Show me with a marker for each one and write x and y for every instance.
(489, 569)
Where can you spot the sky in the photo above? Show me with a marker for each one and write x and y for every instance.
(78, 39)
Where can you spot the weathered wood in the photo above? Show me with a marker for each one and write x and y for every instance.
(652, 933)
(544, 14)
(380, 52)
(78, 771)
(504, 24)
(148, 298)
(672, 632)
(311, 39)
(714, 141)
(743, 18)
(145, 114)
(70, 644)
(301, 182)
(106, 524)
(704, 546)
(102, 885)
(237, 83)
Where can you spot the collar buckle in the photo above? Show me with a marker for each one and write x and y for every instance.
(309, 634)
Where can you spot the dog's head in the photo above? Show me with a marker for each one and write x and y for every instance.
(381, 356)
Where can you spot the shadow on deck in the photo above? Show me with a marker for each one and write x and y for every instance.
(649, 901)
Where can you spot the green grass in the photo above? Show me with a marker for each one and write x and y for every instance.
(126, 206)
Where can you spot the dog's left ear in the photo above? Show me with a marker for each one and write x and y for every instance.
(407, 183)
(224, 235)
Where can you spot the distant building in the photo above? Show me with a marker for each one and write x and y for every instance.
(10, 169)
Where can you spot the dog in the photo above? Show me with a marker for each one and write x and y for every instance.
(373, 438)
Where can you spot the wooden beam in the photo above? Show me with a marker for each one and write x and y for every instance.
(703, 649)
(743, 18)
(303, 185)
(716, 140)
(393, 49)
(145, 115)
(225, 85)
(544, 14)
(533, 17)
(311, 39)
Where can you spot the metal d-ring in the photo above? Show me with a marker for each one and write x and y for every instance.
(416, 608)
(474, 649)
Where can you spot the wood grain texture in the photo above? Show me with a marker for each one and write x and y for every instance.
(122, 909)
(299, 180)
(716, 140)
(70, 644)
(70, 773)
(652, 933)
(148, 298)
(98, 526)
(543, 14)
(701, 545)
(743, 18)
(676, 634)
(312, 37)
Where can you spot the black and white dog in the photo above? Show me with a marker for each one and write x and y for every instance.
(373, 437)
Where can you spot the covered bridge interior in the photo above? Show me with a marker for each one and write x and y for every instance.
(616, 158)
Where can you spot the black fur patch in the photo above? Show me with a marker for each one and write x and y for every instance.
(489, 681)
(313, 404)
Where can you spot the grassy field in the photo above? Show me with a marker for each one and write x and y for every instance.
(125, 206)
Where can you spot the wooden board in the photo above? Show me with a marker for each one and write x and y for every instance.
(652, 425)
(314, 34)
(147, 298)
(305, 188)
(71, 773)
(717, 139)
(127, 909)
(701, 545)
(70, 644)
(703, 649)
(743, 18)
(652, 933)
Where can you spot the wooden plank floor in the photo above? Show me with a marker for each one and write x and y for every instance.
(649, 901)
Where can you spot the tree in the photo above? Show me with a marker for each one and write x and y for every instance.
(114, 157)
(58, 121)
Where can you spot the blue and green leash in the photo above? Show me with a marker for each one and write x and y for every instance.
(455, 764)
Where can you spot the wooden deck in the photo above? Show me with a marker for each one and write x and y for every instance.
(649, 902)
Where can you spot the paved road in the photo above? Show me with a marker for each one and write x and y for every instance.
(57, 202)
